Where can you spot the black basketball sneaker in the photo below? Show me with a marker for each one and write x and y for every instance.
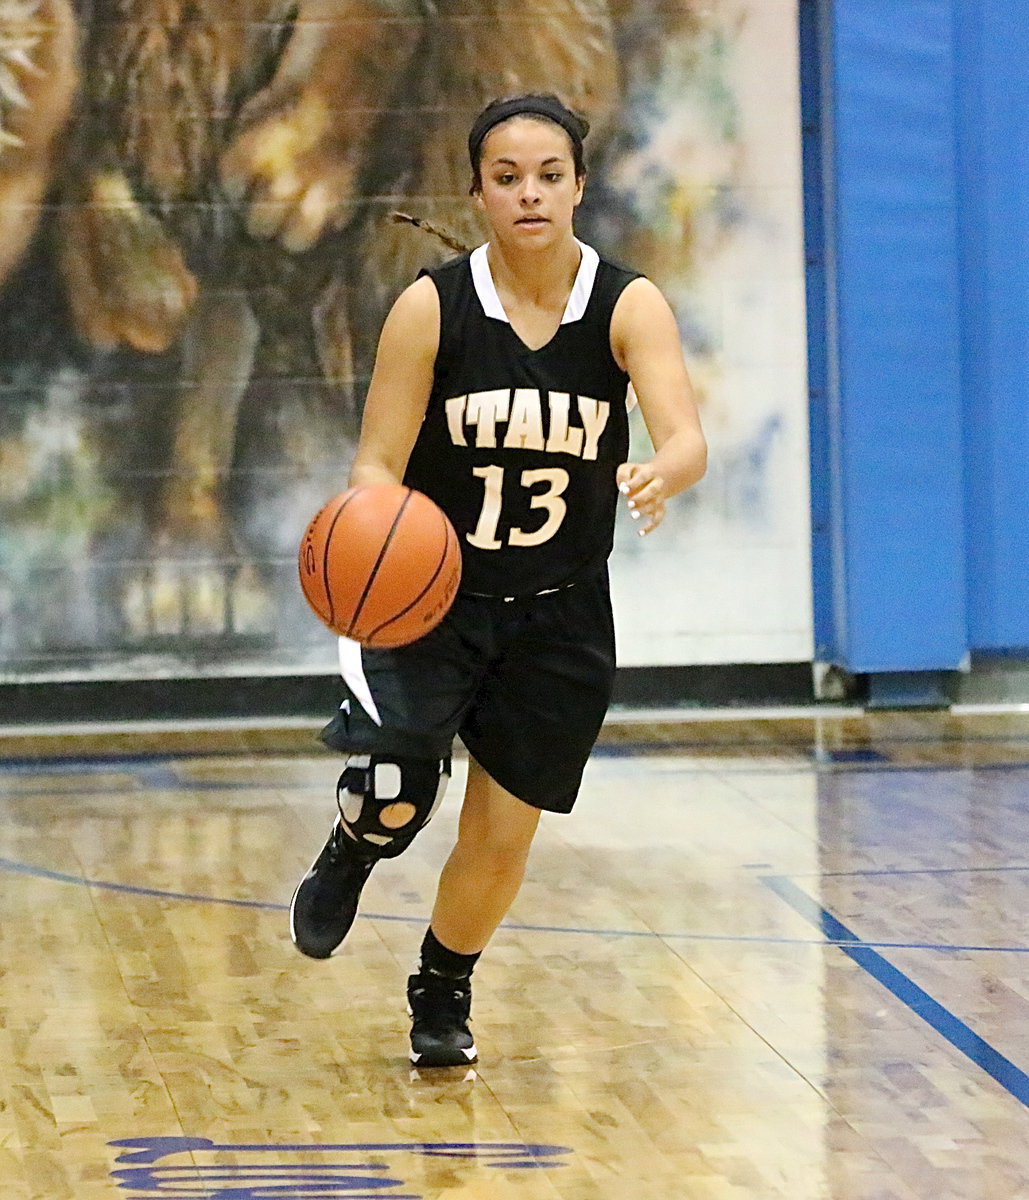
(440, 1011)
(324, 905)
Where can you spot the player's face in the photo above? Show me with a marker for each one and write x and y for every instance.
(529, 189)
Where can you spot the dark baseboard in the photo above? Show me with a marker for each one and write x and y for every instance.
(720, 686)
(317, 696)
(169, 699)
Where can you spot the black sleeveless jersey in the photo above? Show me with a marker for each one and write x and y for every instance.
(519, 447)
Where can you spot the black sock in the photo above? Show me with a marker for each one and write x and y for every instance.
(438, 960)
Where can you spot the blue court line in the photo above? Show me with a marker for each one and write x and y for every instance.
(61, 764)
(811, 766)
(1013, 1079)
(165, 779)
(7, 864)
(17, 868)
(805, 753)
(915, 871)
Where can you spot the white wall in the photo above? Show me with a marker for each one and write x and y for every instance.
(727, 577)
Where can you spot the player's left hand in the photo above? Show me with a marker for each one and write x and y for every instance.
(644, 491)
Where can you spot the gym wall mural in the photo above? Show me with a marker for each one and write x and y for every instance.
(197, 251)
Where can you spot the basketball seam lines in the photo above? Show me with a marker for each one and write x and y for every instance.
(435, 575)
(325, 559)
(378, 563)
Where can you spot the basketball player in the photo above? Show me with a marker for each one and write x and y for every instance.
(500, 390)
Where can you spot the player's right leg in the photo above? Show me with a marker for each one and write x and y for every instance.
(383, 802)
(398, 720)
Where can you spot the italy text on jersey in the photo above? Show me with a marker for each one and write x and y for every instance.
(521, 411)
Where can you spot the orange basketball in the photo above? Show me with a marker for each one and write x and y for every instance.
(380, 563)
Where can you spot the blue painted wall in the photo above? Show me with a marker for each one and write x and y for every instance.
(915, 145)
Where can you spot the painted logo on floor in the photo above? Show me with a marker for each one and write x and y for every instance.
(187, 1168)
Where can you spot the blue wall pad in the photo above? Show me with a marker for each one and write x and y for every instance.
(890, 590)
(993, 228)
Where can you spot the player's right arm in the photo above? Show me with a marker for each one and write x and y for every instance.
(400, 386)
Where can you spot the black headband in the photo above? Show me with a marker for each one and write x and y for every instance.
(535, 106)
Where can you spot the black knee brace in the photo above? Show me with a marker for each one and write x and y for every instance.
(372, 784)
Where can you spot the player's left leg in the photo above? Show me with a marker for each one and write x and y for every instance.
(485, 869)
(477, 886)
(529, 732)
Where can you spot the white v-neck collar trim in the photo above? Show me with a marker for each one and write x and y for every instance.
(582, 288)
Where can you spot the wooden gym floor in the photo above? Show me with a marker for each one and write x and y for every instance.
(775, 958)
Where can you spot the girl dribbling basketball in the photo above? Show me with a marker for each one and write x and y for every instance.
(499, 390)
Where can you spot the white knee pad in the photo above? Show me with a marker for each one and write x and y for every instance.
(385, 800)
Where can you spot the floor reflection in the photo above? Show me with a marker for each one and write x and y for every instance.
(766, 959)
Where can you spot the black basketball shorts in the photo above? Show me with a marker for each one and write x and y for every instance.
(524, 683)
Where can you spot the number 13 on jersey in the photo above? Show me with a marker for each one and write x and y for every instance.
(485, 535)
